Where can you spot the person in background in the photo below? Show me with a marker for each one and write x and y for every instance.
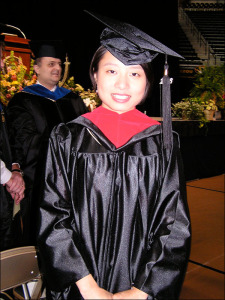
(31, 115)
(12, 188)
(114, 219)
(13, 181)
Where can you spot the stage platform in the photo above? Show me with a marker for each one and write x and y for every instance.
(204, 278)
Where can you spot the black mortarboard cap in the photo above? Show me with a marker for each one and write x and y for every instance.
(132, 46)
(42, 48)
(129, 44)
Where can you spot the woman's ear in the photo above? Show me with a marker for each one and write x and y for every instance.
(95, 77)
(95, 86)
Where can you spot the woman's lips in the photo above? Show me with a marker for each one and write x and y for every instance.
(121, 98)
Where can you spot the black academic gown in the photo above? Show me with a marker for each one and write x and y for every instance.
(30, 119)
(118, 214)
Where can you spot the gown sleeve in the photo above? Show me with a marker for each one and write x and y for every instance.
(58, 239)
(163, 268)
(79, 106)
(25, 139)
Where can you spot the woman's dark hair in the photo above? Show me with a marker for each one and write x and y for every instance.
(94, 68)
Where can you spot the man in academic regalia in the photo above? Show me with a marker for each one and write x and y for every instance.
(11, 189)
(31, 115)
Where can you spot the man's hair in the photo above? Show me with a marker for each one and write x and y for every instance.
(37, 61)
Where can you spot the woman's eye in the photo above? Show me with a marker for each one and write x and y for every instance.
(134, 74)
(111, 71)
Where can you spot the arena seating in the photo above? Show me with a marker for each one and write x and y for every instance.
(211, 24)
(186, 50)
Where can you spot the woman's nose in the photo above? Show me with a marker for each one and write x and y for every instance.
(122, 82)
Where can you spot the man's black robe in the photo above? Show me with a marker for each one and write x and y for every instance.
(30, 119)
(119, 214)
(6, 201)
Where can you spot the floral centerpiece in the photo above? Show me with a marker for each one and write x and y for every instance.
(14, 77)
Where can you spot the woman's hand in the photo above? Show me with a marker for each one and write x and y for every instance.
(89, 289)
(133, 293)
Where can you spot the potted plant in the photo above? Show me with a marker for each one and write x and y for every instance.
(209, 86)
(189, 109)
(209, 109)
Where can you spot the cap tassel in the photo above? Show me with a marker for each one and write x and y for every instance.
(166, 108)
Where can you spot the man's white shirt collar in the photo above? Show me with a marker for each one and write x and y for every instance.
(52, 90)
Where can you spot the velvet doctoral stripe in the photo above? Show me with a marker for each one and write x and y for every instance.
(40, 90)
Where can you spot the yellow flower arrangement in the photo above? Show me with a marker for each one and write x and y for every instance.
(89, 97)
(14, 77)
(210, 105)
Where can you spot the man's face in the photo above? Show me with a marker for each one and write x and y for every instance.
(49, 71)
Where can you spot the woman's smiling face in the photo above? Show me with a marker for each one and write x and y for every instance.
(121, 88)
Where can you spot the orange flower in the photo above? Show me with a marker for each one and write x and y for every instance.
(13, 77)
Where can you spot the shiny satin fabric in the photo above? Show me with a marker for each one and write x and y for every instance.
(118, 214)
(128, 43)
(128, 53)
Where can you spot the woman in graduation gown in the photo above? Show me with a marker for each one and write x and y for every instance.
(114, 221)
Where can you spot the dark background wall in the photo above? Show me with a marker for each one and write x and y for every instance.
(66, 20)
